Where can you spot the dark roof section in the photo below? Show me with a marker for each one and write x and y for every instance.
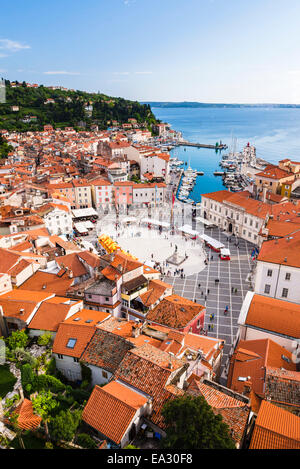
(106, 350)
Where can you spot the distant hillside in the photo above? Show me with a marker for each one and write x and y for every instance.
(195, 104)
(29, 108)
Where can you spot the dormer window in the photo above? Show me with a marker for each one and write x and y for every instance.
(71, 343)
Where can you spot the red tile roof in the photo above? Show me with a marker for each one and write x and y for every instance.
(26, 419)
(82, 335)
(147, 372)
(175, 311)
(48, 283)
(273, 172)
(235, 412)
(50, 315)
(249, 362)
(21, 304)
(275, 428)
(88, 317)
(271, 314)
(111, 409)
(284, 251)
(73, 263)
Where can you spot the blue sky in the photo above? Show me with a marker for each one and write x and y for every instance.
(243, 51)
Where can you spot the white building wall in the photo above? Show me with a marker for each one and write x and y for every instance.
(68, 367)
(272, 279)
(58, 222)
(226, 216)
(25, 274)
(249, 333)
(5, 283)
(97, 375)
(103, 195)
(148, 195)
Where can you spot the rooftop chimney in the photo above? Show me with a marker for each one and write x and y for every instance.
(264, 193)
(136, 330)
(170, 360)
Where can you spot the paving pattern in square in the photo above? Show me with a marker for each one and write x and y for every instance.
(232, 275)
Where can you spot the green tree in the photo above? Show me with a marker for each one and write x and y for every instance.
(49, 383)
(191, 424)
(86, 374)
(23, 356)
(86, 441)
(43, 405)
(28, 378)
(45, 339)
(13, 420)
(5, 148)
(18, 339)
(64, 425)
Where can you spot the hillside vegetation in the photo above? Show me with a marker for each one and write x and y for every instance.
(27, 109)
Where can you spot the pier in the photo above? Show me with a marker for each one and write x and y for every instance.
(222, 146)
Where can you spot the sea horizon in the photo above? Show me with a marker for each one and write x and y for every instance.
(273, 131)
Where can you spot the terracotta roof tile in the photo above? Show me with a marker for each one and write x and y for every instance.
(106, 350)
(250, 368)
(48, 282)
(144, 368)
(81, 335)
(27, 420)
(73, 263)
(235, 412)
(111, 409)
(271, 314)
(175, 311)
(284, 251)
(50, 315)
(86, 317)
(275, 428)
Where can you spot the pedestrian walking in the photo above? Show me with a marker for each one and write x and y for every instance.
(212, 327)
(208, 291)
(210, 317)
(209, 327)
(235, 291)
(231, 289)
(205, 298)
(199, 285)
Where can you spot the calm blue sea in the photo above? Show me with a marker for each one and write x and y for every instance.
(274, 132)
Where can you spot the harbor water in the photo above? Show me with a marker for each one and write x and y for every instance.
(273, 131)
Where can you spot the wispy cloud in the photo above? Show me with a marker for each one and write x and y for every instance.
(144, 73)
(128, 2)
(60, 72)
(121, 73)
(12, 46)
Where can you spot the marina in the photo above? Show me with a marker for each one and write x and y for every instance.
(217, 146)
(236, 174)
(186, 185)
